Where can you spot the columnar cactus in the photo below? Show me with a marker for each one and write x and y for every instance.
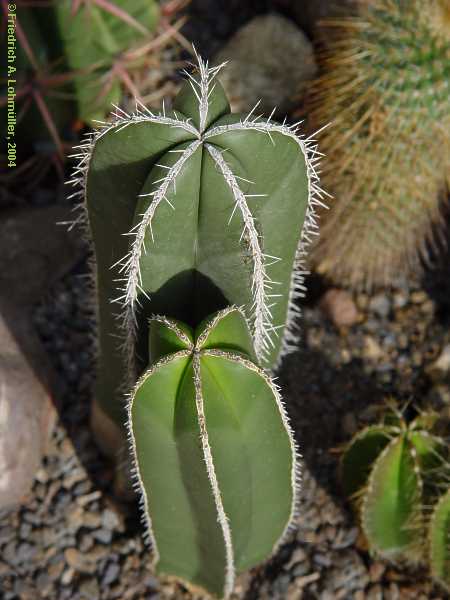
(385, 88)
(221, 505)
(191, 211)
(394, 473)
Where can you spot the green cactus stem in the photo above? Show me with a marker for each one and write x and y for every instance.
(394, 471)
(214, 453)
(391, 509)
(439, 541)
(190, 211)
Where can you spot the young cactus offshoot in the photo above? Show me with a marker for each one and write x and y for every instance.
(394, 473)
(190, 211)
(215, 458)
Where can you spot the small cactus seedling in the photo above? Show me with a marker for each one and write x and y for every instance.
(393, 473)
(385, 88)
(215, 458)
(439, 541)
(191, 211)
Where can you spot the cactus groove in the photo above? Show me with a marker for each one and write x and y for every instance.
(220, 506)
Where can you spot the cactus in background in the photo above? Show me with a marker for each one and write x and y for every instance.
(191, 211)
(439, 541)
(220, 506)
(107, 30)
(394, 473)
(62, 83)
(385, 89)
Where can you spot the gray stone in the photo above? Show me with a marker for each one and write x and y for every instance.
(110, 520)
(380, 305)
(90, 589)
(34, 252)
(271, 61)
(104, 536)
(111, 573)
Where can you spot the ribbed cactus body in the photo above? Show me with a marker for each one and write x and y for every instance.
(191, 211)
(385, 89)
(214, 454)
(394, 473)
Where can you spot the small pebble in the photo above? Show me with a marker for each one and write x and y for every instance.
(90, 590)
(440, 368)
(111, 573)
(104, 536)
(339, 307)
(380, 305)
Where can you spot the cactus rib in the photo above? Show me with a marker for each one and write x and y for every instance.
(221, 516)
(130, 264)
(261, 282)
(439, 541)
(391, 508)
(310, 228)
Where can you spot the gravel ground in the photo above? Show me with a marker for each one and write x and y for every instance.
(73, 541)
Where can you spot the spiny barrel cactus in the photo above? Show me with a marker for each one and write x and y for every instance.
(385, 88)
(215, 459)
(394, 472)
(190, 211)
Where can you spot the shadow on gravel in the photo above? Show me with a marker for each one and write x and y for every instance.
(436, 281)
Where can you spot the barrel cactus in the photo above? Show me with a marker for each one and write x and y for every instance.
(394, 474)
(190, 211)
(220, 506)
(385, 88)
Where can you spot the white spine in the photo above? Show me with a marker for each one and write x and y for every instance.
(221, 516)
(262, 317)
